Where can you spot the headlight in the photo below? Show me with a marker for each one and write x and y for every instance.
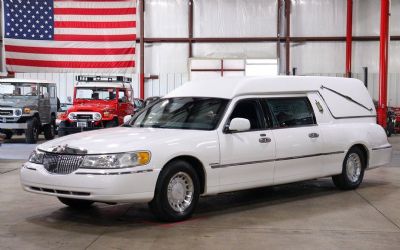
(72, 116)
(27, 110)
(97, 116)
(18, 112)
(36, 157)
(123, 160)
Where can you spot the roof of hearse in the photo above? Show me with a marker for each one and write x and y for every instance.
(230, 87)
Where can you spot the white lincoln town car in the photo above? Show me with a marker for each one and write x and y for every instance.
(214, 136)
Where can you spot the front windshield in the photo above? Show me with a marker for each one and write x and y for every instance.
(21, 90)
(182, 113)
(96, 93)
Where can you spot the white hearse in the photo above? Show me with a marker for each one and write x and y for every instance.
(214, 136)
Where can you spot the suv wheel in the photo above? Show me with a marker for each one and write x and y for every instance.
(8, 134)
(32, 132)
(49, 130)
(353, 170)
(61, 130)
(111, 124)
(177, 192)
(76, 203)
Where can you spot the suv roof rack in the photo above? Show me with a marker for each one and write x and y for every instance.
(104, 79)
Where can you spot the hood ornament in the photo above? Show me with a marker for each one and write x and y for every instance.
(65, 149)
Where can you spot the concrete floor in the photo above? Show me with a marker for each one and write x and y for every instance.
(307, 215)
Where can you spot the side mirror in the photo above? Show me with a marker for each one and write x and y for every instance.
(239, 124)
(127, 118)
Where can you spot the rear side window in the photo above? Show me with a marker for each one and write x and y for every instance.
(291, 112)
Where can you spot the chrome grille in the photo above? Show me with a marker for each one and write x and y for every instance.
(84, 117)
(6, 112)
(61, 164)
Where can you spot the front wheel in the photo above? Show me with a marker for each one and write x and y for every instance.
(76, 203)
(352, 172)
(177, 192)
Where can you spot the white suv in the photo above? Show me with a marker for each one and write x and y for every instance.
(215, 136)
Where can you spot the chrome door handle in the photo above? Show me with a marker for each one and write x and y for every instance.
(264, 140)
(313, 135)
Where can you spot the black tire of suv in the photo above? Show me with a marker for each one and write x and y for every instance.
(32, 132)
(49, 131)
(160, 205)
(76, 203)
(8, 134)
(112, 124)
(342, 181)
(61, 130)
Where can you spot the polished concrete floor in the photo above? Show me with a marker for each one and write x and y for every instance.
(307, 215)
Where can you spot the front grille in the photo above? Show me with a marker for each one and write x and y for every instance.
(84, 117)
(6, 112)
(61, 164)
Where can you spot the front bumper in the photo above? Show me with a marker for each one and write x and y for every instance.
(122, 185)
(13, 125)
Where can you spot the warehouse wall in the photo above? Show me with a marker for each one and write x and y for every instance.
(245, 18)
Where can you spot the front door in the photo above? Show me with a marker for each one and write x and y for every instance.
(44, 103)
(125, 106)
(247, 158)
(299, 143)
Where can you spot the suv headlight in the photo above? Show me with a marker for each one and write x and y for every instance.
(97, 116)
(36, 157)
(18, 112)
(122, 160)
(72, 116)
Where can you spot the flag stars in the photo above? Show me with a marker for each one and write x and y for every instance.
(29, 19)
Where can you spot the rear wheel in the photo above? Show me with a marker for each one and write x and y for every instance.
(32, 132)
(177, 192)
(353, 170)
(49, 130)
(76, 203)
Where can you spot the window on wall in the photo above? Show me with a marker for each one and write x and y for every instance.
(261, 67)
(203, 68)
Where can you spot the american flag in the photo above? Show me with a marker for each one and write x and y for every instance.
(70, 36)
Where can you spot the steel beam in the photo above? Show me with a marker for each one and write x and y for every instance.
(142, 41)
(349, 36)
(383, 62)
(287, 37)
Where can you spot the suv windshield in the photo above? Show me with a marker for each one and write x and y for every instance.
(182, 113)
(18, 90)
(96, 93)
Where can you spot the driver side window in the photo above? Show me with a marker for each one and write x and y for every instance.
(249, 109)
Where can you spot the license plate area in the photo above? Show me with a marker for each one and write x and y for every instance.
(81, 124)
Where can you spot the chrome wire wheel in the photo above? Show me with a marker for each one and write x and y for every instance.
(180, 192)
(353, 167)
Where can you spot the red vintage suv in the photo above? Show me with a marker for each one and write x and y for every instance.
(99, 102)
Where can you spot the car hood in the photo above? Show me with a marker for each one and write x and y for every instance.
(91, 107)
(121, 139)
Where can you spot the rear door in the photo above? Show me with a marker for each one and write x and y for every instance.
(247, 157)
(299, 143)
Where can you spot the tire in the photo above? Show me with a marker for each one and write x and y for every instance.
(112, 124)
(76, 203)
(168, 202)
(353, 170)
(32, 132)
(8, 134)
(61, 130)
(49, 131)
